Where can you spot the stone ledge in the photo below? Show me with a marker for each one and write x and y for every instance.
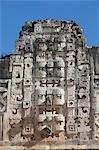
(49, 147)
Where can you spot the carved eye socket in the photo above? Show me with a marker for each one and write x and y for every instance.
(18, 75)
(84, 96)
(84, 110)
(28, 65)
(71, 80)
(71, 103)
(70, 63)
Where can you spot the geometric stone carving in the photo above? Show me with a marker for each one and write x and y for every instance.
(49, 87)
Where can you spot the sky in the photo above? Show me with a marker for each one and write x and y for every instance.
(14, 14)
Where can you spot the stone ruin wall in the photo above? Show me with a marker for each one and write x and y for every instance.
(49, 86)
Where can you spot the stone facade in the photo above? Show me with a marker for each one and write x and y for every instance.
(49, 88)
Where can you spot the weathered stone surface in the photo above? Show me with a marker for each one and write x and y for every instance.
(49, 89)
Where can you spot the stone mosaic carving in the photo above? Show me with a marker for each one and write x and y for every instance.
(52, 87)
